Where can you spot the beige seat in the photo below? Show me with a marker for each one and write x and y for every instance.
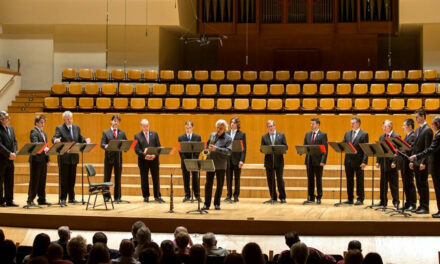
(75, 89)
(201, 76)
(137, 103)
(102, 74)
(108, 89)
(241, 104)
(192, 89)
(184, 76)
(150, 75)
(103, 103)
(249, 76)
(125, 89)
(86, 103)
(58, 89)
(155, 104)
(167, 75)
(142, 89)
(120, 103)
(85, 74)
(233, 76)
(118, 74)
(189, 103)
(134, 74)
(282, 76)
(52, 103)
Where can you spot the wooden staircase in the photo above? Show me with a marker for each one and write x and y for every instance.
(28, 102)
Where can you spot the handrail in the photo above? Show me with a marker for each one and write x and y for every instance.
(7, 83)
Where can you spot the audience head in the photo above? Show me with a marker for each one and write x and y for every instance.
(39, 247)
(299, 252)
(234, 258)
(252, 254)
(353, 256)
(54, 251)
(149, 255)
(209, 240)
(2, 236)
(355, 244)
(182, 240)
(99, 237)
(134, 228)
(180, 229)
(167, 248)
(197, 254)
(143, 235)
(77, 248)
(99, 254)
(8, 251)
(291, 238)
(126, 248)
(372, 258)
(39, 260)
(64, 233)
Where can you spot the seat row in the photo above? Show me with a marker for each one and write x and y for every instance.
(242, 104)
(135, 75)
(307, 89)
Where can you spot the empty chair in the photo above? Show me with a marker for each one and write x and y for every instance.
(69, 74)
(431, 104)
(258, 104)
(206, 104)
(428, 88)
(381, 76)
(125, 89)
(137, 103)
(150, 75)
(243, 89)
(249, 76)
(241, 104)
(349, 76)
(379, 104)
(233, 76)
(397, 104)
(282, 76)
(120, 103)
(141, 89)
(101, 74)
(189, 103)
(167, 75)
(276, 89)
(316, 76)
(52, 103)
(292, 104)
(172, 103)
(134, 75)
(209, 89)
(108, 89)
(309, 89)
(430, 75)
(75, 89)
(201, 76)
(266, 76)
(326, 104)
(344, 104)
(365, 76)
(326, 89)
(184, 76)
(293, 89)
(118, 74)
(411, 89)
(309, 104)
(333, 76)
(260, 89)
(360, 89)
(343, 89)
(414, 75)
(226, 89)
(58, 89)
(103, 103)
(361, 104)
(102, 188)
(274, 104)
(159, 89)
(85, 74)
(394, 89)
(155, 104)
(91, 89)
(398, 75)
(86, 103)
(413, 104)
(300, 76)
(377, 89)
(175, 89)
(224, 104)
(192, 89)
(217, 76)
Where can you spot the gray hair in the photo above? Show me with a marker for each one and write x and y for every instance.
(67, 113)
(209, 239)
(270, 122)
(144, 121)
(388, 122)
(64, 232)
(436, 121)
(223, 122)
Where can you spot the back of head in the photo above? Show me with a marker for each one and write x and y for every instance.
(99, 237)
(2, 236)
(39, 247)
(143, 235)
(64, 233)
(197, 254)
(54, 251)
(372, 258)
(135, 227)
(252, 254)
(149, 256)
(209, 240)
(39, 260)
(353, 256)
(99, 254)
(291, 238)
(8, 251)
(234, 258)
(167, 247)
(77, 248)
(299, 252)
(355, 244)
(182, 240)
(180, 229)
(126, 248)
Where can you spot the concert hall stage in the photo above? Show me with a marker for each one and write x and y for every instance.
(248, 217)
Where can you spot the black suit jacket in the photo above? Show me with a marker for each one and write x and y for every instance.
(221, 155)
(355, 160)
(278, 160)
(62, 132)
(236, 157)
(142, 145)
(385, 163)
(8, 144)
(320, 139)
(423, 141)
(434, 151)
(107, 135)
(184, 138)
(37, 138)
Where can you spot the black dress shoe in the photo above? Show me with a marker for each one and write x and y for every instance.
(228, 200)
(318, 201)
(348, 202)
(396, 204)
(359, 202)
(44, 203)
(205, 207)
(308, 202)
(271, 201)
(73, 201)
(159, 200)
(12, 204)
(422, 211)
(411, 208)
(63, 202)
(198, 199)
(186, 199)
(106, 199)
(283, 200)
(217, 207)
(146, 199)
(437, 215)
(3, 204)
(31, 203)
(117, 201)
(236, 199)
(380, 204)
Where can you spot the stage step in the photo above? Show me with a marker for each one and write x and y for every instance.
(28, 102)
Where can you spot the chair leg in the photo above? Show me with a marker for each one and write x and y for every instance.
(96, 197)
(105, 203)
(88, 201)
(111, 200)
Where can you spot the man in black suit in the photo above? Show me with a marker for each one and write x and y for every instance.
(220, 145)
(145, 139)
(408, 174)
(423, 141)
(38, 165)
(388, 170)
(113, 159)
(355, 163)
(8, 150)
(67, 162)
(236, 160)
(434, 151)
(274, 163)
(315, 162)
(189, 136)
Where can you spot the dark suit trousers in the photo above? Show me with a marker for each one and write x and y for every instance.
(37, 182)
(233, 172)
(67, 179)
(208, 187)
(144, 168)
(280, 182)
(195, 184)
(7, 182)
(390, 178)
(436, 182)
(314, 171)
(408, 186)
(117, 167)
(422, 186)
(349, 172)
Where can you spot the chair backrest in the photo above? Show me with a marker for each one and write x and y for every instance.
(159, 89)
(326, 88)
(184, 76)
(137, 103)
(134, 74)
(300, 76)
(86, 103)
(201, 76)
(150, 75)
(167, 75)
(217, 76)
(68, 102)
(142, 89)
(233, 76)
(310, 89)
(349, 76)
(430, 75)
(411, 89)
(333, 76)
(427, 88)
(414, 75)
(309, 104)
(206, 103)
(365, 76)
(224, 104)
(413, 104)
(249, 76)
(282, 76)
(394, 88)
(85, 74)
(90, 170)
(108, 89)
(75, 88)
(381, 75)
(226, 89)
(192, 89)
(241, 104)
(189, 103)
(172, 103)
(397, 104)
(155, 103)
(379, 104)
(125, 89)
(276, 89)
(103, 103)
(52, 102)
(69, 73)
(101, 74)
(258, 104)
(431, 104)
(243, 89)
(58, 89)
(274, 104)
(344, 104)
(360, 89)
(316, 76)
(260, 89)
(343, 89)
(293, 89)
(175, 89)
(292, 104)
(361, 104)
(91, 89)
(266, 76)
(398, 75)
(118, 74)
(120, 103)
(377, 89)
(327, 104)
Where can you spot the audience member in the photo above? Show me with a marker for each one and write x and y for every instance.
(134, 229)
(126, 249)
(252, 254)
(8, 251)
(197, 254)
(149, 256)
(2, 236)
(353, 256)
(100, 237)
(210, 244)
(99, 254)
(55, 254)
(77, 249)
(185, 230)
(168, 253)
(39, 247)
(64, 237)
(234, 258)
(182, 241)
(299, 252)
(39, 260)
(143, 236)
(353, 244)
(372, 258)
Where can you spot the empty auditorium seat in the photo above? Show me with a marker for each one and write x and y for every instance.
(233, 76)
(85, 74)
(101, 74)
(108, 89)
(333, 76)
(75, 89)
(326, 89)
(282, 76)
(398, 75)
(209, 89)
(344, 104)
(241, 104)
(118, 74)
(125, 89)
(159, 89)
(326, 104)
(274, 104)
(258, 104)
(309, 104)
(52, 103)
(167, 75)
(224, 104)
(206, 104)
(86, 103)
(379, 104)
(397, 104)
(411, 89)
(134, 75)
(172, 103)
(243, 89)
(394, 89)
(293, 89)
(201, 76)
(175, 89)
(360, 89)
(300, 76)
(226, 89)
(309, 89)
(413, 104)
(292, 104)
(259, 89)
(343, 89)
(316, 76)
(192, 89)
(431, 104)
(141, 89)
(217, 76)
(349, 76)
(184, 76)
(414, 75)
(91, 89)
(150, 75)
(429, 75)
(266, 76)
(427, 88)
(249, 76)
(58, 89)
(381, 76)
(137, 103)
(120, 103)
(103, 103)
(276, 89)
(365, 76)
(189, 103)
(155, 103)
(69, 74)
(361, 104)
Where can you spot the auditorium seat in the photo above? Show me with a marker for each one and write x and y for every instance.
(276, 89)
(249, 76)
(431, 104)
(75, 89)
(326, 89)
(155, 103)
(316, 76)
(201, 76)
(430, 75)
(344, 104)
(343, 89)
(241, 104)
(326, 104)
(69, 74)
(86, 103)
(141, 89)
(379, 104)
(398, 76)
(259, 89)
(309, 89)
(134, 75)
(166, 75)
(365, 76)
(292, 104)
(189, 103)
(206, 104)
(175, 90)
(333, 76)
(159, 89)
(411, 89)
(413, 104)
(172, 103)
(125, 89)
(226, 89)
(224, 104)
(394, 89)
(414, 75)
(150, 75)
(381, 76)
(274, 104)
(120, 103)
(243, 89)
(103, 103)
(428, 88)
(217, 76)
(184, 76)
(52, 103)
(192, 89)
(361, 104)
(266, 76)
(101, 74)
(209, 89)
(300, 76)
(58, 89)
(282, 76)
(108, 89)
(137, 103)
(309, 104)
(118, 74)
(349, 76)
(85, 74)
(91, 89)
(258, 104)
(397, 104)
(360, 89)
(233, 76)
(293, 89)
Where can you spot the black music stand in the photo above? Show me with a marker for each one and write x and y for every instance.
(273, 150)
(372, 150)
(192, 147)
(387, 153)
(199, 165)
(342, 147)
(119, 146)
(159, 151)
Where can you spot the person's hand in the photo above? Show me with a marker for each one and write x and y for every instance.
(422, 166)
(240, 164)
(322, 164)
(57, 140)
(363, 165)
(393, 165)
(212, 147)
(377, 165)
(411, 166)
(48, 163)
(106, 145)
(413, 157)
(46, 149)
(12, 156)
(88, 140)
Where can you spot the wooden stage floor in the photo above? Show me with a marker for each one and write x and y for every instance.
(247, 217)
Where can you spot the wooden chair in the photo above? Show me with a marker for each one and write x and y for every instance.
(394, 89)
(365, 76)
(360, 89)
(326, 89)
(411, 89)
(316, 76)
(226, 89)
(276, 89)
(309, 104)
(377, 89)
(333, 76)
(379, 104)
(327, 104)
(428, 89)
(414, 75)
(413, 104)
(431, 104)
(397, 104)
(430, 75)
(344, 104)
(361, 104)
(398, 76)
(381, 76)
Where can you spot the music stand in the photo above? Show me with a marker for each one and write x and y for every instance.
(199, 165)
(347, 148)
(159, 151)
(388, 152)
(192, 147)
(372, 150)
(273, 150)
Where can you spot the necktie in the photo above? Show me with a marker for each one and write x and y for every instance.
(147, 137)
(114, 134)
(353, 136)
(233, 135)
(418, 131)
(189, 137)
(71, 132)
(272, 139)
(313, 137)
(42, 135)
(387, 136)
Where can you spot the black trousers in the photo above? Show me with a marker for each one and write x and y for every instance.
(233, 173)
(436, 181)
(37, 182)
(390, 178)
(208, 187)
(195, 182)
(422, 186)
(144, 168)
(270, 175)
(67, 174)
(408, 186)
(117, 168)
(314, 171)
(7, 182)
(349, 173)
